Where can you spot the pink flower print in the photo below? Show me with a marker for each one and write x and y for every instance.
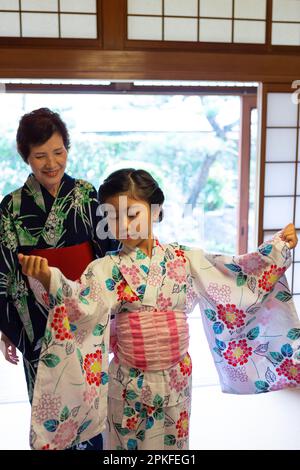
(252, 264)
(72, 310)
(90, 394)
(163, 303)
(96, 292)
(154, 276)
(133, 272)
(177, 381)
(48, 407)
(236, 373)
(231, 316)
(282, 383)
(66, 434)
(176, 270)
(289, 370)
(219, 294)
(146, 395)
(190, 299)
(79, 336)
(237, 353)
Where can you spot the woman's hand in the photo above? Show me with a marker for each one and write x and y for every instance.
(289, 235)
(36, 267)
(9, 350)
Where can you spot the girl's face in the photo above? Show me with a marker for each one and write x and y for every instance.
(48, 162)
(129, 219)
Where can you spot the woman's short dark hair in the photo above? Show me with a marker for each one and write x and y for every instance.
(138, 183)
(36, 127)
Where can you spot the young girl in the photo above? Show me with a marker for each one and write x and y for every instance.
(148, 289)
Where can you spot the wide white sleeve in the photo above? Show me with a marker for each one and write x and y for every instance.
(249, 316)
(85, 295)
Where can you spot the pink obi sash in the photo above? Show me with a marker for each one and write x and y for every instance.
(71, 260)
(151, 340)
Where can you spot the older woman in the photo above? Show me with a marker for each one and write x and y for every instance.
(54, 216)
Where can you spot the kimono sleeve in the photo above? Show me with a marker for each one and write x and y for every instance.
(15, 321)
(73, 365)
(249, 317)
(84, 296)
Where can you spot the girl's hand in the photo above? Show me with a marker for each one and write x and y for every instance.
(36, 267)
(9, 350)
(289, 235)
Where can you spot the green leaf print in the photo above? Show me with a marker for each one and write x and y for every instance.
(84, 426)
(110, 284)
(170, 440)
(134, 372)
(294, 333)
(83, 300)
(120, 430)
(211, 314)
(64, 414)
(98, 330)
(159, 414)
(116, 274)
(262, 386)
(140, 254)
(252, 334)
(158, 401)
(130, 395)
(128, 411)
(47, 338)
(51, 360)
(51, 425)
(283, 296)
(241, 279)
(277, 357)
(141, 435)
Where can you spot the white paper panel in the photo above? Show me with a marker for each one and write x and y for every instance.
(216, 8)
(289, 276)
(38, 5)
(144, 7)
(268, 235)
(9, 4)
(278, 212)
(297, 282)
(286, 10)
(296, 300)
(180, 29)
(9, 24)
(253, 9)
(78, 26)
(40, 25)
(298, 181)
(253, 32)
(215, 30)
(81, 6)
(281, 145)
(279, 179)
(144, 27)
(297, 249)
(181, 8)
(281, 110)
(297, 221)
(286, 34)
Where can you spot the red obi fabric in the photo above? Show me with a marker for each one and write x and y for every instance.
(71, 260)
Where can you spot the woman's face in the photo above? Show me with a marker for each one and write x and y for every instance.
(48, 162)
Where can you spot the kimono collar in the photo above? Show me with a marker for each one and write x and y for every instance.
(132, 250)
(37, 191)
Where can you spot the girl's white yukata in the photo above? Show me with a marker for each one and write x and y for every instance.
(249, 319)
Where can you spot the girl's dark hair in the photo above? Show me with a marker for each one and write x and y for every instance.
(138, 183)
(37, 127)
